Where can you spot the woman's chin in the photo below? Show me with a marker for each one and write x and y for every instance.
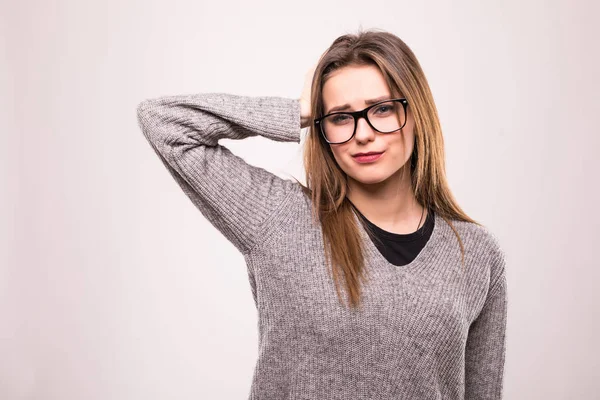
(371, 178)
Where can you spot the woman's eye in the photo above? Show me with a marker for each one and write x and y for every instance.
(340, 118)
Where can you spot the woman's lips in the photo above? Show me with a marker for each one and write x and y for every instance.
(368, 158)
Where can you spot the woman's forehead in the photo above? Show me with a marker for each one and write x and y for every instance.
(356, 86)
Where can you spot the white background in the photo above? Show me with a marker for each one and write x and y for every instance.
(113, 286)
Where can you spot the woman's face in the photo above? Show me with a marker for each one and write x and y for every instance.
(353, 85)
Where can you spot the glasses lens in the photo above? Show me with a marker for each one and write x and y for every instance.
(385, 117)
(338, 127)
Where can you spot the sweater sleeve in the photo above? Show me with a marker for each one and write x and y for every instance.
(486, 341)
(236, 197)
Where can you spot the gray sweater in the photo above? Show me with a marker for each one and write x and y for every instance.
(426, 330)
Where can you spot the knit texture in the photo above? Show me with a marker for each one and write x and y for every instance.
(426, 330)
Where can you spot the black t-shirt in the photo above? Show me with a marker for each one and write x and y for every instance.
(401, 249)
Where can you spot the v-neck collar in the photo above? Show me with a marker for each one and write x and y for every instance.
(427, 253)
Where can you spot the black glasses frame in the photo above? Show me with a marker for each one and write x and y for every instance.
(356, 115)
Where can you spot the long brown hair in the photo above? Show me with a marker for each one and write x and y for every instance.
(327, 182)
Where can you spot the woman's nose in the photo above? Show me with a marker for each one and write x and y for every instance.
(364, 132)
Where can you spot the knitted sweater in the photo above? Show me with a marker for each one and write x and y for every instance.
(426, 330)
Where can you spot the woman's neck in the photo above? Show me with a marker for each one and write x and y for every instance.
(391, 204)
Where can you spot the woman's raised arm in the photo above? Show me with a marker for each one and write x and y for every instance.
(236, 197)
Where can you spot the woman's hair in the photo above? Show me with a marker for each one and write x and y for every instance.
(327, 182)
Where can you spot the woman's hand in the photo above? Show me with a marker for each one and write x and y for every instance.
(305, 106)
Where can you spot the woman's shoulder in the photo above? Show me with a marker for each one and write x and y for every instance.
(296, 205)
(301, 194)
(479, 238)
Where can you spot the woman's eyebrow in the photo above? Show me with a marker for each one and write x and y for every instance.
(369, 101)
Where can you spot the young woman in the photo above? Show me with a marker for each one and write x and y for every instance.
(370, 282)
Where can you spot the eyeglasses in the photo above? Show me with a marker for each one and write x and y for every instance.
(385, 116)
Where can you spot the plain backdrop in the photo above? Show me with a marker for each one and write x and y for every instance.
(113, 285)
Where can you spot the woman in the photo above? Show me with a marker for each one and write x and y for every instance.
(370, 282)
